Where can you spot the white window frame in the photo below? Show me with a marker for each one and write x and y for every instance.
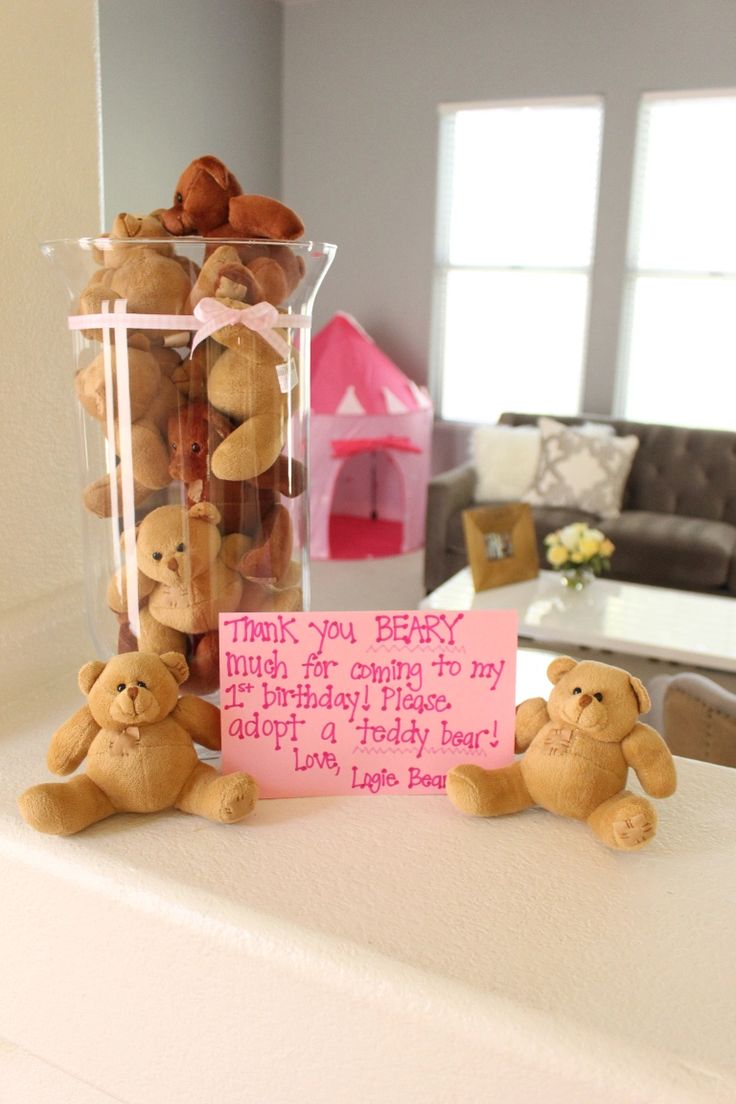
(442, 265)
(633, 272)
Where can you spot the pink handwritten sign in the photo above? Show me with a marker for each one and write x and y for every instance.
(364, 703)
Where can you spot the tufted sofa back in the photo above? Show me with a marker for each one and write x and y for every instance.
(691, 472)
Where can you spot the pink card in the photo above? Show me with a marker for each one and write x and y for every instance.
(363, 703)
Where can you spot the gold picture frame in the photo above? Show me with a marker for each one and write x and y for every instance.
(501, 544)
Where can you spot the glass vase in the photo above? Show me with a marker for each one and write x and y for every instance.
(193, 400)
(576, 578)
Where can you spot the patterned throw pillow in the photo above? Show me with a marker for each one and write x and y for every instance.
(580, 471)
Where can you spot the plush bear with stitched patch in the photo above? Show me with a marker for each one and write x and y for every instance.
(153, 397)
(578, 747)
(187, 574)
(209, 201)
(136, 735)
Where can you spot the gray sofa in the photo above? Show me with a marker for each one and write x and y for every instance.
(677, 527)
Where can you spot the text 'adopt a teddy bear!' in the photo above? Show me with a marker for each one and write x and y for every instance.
(578, 746)
(136, 734)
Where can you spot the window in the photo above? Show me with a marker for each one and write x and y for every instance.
(516, 221)
(677, 358)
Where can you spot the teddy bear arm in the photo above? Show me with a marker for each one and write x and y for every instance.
(531, 716)
(648, 755)
(235, 547)
(258, 216)
(201, 719)
(150, 455)
(71, 742)
(117, 590)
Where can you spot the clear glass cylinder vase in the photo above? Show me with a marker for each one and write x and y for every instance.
(193, 395)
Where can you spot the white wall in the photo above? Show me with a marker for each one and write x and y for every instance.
(363, 79)
(186, 78)
(50, 189)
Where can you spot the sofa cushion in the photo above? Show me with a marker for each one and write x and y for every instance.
(505, 460)
(671, 551)
(581, 471)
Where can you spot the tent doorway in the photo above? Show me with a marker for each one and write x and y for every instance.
(368, 507)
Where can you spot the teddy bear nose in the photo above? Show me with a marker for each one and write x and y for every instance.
(173, 564)
(585, 700)
(132, 692)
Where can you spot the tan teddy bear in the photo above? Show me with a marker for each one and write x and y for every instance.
(242, 381)
(153, 398)
(149, 276)
(187, 575)
(579, 746)
(136, 734)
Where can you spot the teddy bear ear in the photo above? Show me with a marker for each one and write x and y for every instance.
(177, 664)
(205, 511)
(89, 675)
(641, 693)
(216, 169)
(559, 667)
(219, 424)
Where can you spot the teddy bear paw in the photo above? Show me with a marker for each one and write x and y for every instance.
(465, 787)
(238, 798)
(633, 831)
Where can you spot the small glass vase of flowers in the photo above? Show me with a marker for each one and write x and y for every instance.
(579, 553)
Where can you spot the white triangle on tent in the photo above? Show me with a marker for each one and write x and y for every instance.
(356, 325)
(350, 403)
(394, 405)
(420, 394)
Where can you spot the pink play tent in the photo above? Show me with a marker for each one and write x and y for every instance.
(371, 429)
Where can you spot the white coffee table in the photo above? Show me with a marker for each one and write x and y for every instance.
(684, 628)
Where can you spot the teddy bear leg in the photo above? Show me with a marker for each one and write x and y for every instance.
(480, 792)
(204, 665)
(98, 496)
(158, 638)
(63, 808)
(625, 822)
(250, 449)
(271, 556)
(226, 798)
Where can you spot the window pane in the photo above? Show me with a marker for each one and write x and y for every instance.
(524, 185)
(512, 341)
(682, 366)
(686, 217)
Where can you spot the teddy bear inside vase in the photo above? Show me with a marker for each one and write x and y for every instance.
(198, 433)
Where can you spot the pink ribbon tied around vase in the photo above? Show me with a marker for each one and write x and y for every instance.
(262, 318)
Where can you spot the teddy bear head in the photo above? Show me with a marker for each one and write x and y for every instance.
(201, 197)
(144, 381)
(136, 688)
(127, 228)
(603, 700)
(174, 546)
(192, 431)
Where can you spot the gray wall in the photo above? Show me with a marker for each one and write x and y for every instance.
(362, 81)
(185, 78)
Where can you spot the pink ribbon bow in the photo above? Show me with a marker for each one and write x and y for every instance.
(261, 318)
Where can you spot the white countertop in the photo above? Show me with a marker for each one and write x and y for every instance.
(364, 949)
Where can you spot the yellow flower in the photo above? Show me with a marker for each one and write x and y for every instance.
(557, 555)
(607, 548)
(589, 547)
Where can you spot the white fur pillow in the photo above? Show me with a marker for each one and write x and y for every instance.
(505, 459)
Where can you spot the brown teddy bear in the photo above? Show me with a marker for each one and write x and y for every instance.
(245, 507)
(187, 575)
(136, 734)
(209, 201)
(578, 747)
(153, 398)
(149, 276)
